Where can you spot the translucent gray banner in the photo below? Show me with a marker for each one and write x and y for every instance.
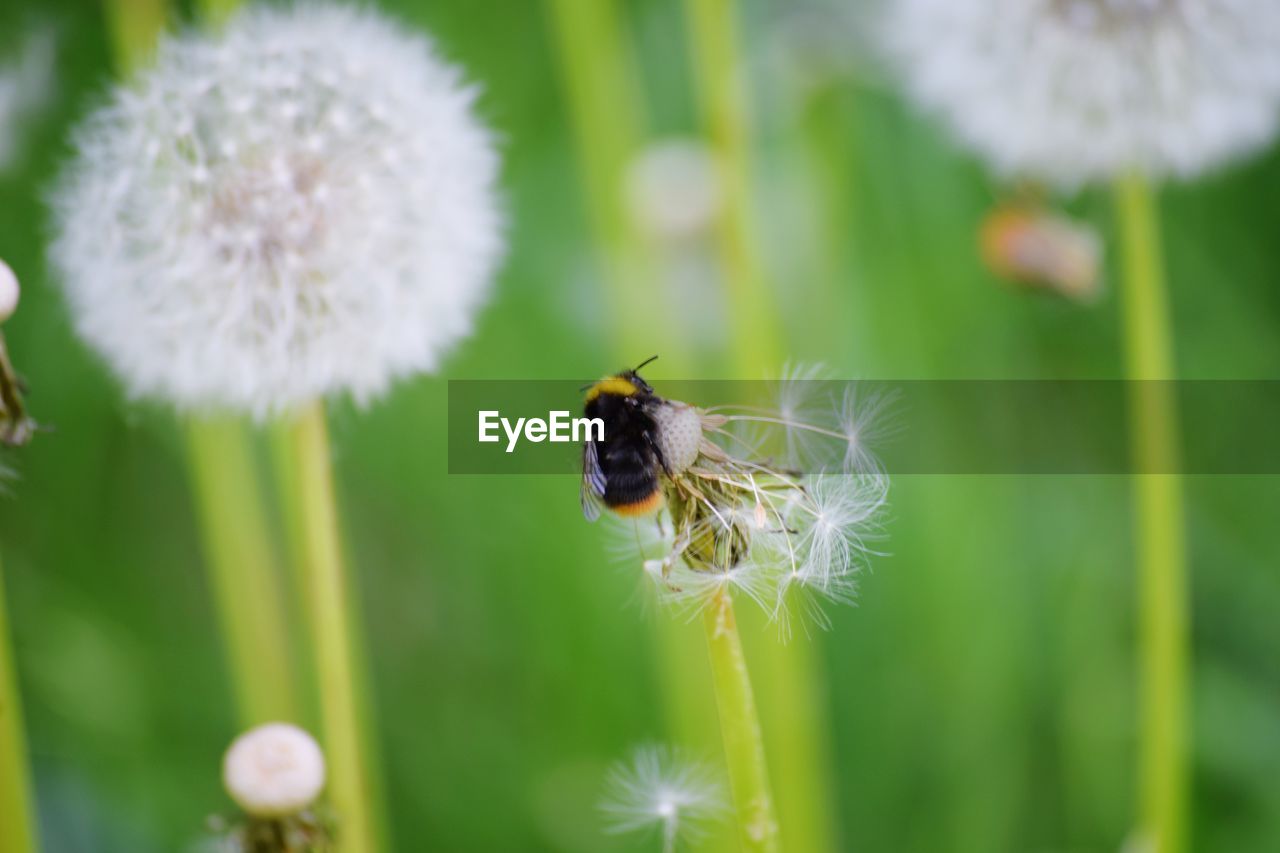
(906, 427)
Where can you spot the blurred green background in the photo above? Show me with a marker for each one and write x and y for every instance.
(981, 692)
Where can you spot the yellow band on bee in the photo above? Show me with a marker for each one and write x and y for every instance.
(612, 385)
(644, 506)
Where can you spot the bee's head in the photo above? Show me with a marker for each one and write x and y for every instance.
(628, 383)
(633, 375)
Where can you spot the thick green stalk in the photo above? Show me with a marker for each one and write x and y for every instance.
(826, 146)
(797, 737)
(713, 30)
(135, 25)
(330, 605)
(1159, 536)
(17, 805)
(243, 570)
(740, 727)
(794, 710)
(217, 12)
(284, 464)
(603, 94)
(606, 111)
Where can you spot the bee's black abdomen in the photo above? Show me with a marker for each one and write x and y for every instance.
(630, 477)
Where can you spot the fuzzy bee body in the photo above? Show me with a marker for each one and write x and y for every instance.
(623, 472)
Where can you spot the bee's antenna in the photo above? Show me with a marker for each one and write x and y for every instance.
(648, 360)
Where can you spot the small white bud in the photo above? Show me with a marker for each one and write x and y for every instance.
(8, 292)
(274, 770)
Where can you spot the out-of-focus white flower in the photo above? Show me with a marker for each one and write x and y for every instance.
(661, 789)
(25, 86)
(273, 770)
(299, 205)
(1075, 90)
(812, 44)
(9, 291)
(673, 190)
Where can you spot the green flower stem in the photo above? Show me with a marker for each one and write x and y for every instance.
(330, 605)
(791, 700)
(605, 109)
(604, 101)
(1160, 540)
(740, 727)
(284, 463)
(17, 805)
(217, 11)
(713, 29)
(243, 570)
(825, 144)
(135, 26)
(793, 707)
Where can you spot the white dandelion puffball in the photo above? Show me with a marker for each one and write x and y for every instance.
(273, 770)
(300, 205)
(1071, 91)
(9, 292)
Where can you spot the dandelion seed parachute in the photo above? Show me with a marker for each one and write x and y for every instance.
(298, 206)
(1072, 91)
(660, 788)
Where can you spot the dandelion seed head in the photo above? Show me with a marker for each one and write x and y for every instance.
(679, 435)
(1071, 91)
(740, 525)
(661, 789)
(274, 770)
(300, 205)
(9, 291)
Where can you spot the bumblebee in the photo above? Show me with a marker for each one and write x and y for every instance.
(623, 472)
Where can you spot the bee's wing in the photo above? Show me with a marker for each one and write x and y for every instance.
(593, 482)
